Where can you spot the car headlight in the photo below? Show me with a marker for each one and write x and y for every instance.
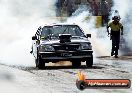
(85, 46)
(43, 48)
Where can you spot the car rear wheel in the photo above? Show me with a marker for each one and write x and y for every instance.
(89, 62)
(76, 63)
(39, 63)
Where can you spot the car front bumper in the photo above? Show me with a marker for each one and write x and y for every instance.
(66, 55)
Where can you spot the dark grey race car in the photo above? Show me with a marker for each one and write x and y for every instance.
(61, 42)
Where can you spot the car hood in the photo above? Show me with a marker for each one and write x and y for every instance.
(57, 41)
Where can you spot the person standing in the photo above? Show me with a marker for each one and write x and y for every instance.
(59, 5)
(116, 29)
(94, 8)
(104, 12)
(70, 4)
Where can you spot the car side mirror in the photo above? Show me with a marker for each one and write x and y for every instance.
(88, 35)
(34, 38)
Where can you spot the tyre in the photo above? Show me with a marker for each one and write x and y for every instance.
(76, 63)
(39, 63)
(36, 62)
(89, 62)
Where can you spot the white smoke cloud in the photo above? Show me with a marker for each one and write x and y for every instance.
(19, 20)
(100, 42)
(122, 6)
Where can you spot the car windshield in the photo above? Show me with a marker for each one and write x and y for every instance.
(54, 31)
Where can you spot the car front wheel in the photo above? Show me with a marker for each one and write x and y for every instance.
(89, 62)
(39, 63)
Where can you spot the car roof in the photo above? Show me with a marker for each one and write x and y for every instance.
(54, 24)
